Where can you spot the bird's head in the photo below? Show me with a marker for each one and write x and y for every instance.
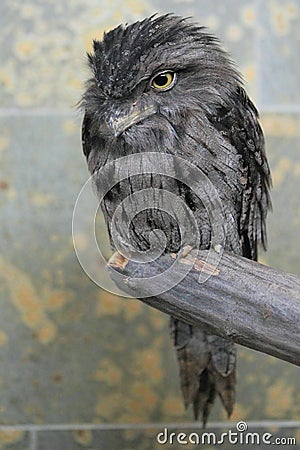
(153, 74)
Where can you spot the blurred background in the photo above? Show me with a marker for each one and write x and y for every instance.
(81, 368)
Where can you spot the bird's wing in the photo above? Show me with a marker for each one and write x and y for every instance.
(86, 136)
(238, 123)
(208, 363)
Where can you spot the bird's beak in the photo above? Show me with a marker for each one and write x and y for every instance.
(119, 121)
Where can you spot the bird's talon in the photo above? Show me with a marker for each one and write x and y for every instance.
(117, 261)
(184, 251)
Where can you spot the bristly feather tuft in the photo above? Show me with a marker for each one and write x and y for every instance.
(131, 52)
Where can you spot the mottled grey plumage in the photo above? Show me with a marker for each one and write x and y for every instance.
(205, 117)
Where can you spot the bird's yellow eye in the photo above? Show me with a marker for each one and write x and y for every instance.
(163, 80)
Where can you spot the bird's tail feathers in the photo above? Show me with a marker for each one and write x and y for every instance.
(207, 368)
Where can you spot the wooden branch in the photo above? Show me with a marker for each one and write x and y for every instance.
(247, 302)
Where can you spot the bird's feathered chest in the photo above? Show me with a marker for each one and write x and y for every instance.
(167, 200)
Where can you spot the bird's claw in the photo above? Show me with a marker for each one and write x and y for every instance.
(184, 251)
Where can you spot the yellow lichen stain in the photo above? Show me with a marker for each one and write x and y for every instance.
(248, 15)
(97, 11)
(157, 320)
(108, 305)
(158, 342)
(112, 305)
(89, 36)
(273, 429)
(27, 301)
(46, 333)
(108, 405)
(264, 378)
(297, 435)
(211, 21)
(25, 48)
(133, 309)
(8, 437)
(55, 299)
(135, 411)
(142, 330)
(115, 345)
(11, 193)
(29, 409)
(292, 10)
(147, 363)
(3, 338)
(282, 15)
(280, 23)
(173, 406)
(6, 79)
(108, 373)
(234, 32)
(130, 434)
(117, 18)
(140, 400)
(41, 199)
(249, 73)
(9, 77)
(247, 355)
(70, 127)
(139, 7)
(134, 406)
(144, 394)
(281, 171)
(83, 437)
(240, 412)
(280, 125)
(24, 98)
(29, 11)
(81, 241)
(59, 54)
(54, 237)
(117, 13)
(75, 83)
(280, 400)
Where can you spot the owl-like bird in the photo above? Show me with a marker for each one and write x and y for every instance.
(165, 85)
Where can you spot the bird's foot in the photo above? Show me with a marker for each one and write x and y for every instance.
(184, 251)
(117, 261)
(185, 256)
